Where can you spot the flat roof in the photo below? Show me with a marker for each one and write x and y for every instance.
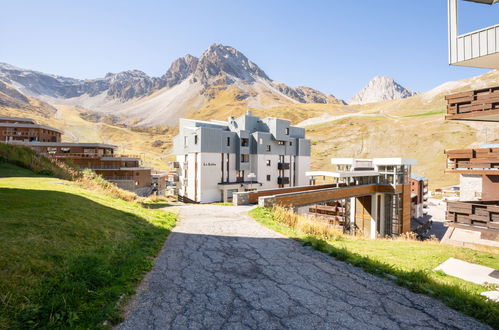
(375, 161)
(342, 174)
(18, 119)
(30, 126)
(64, 144)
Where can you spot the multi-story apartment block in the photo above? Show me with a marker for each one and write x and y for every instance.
(475, 218)
(123, 170)
(216, 159)
(26, 130)
(375, 194)
(419, 195)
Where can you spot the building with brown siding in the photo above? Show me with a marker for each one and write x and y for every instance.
(123, 170)
(26, 130)
(474, 219)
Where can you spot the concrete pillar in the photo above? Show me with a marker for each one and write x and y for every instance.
(382, 214)
(452, 19)
(352, 214)
(374, 214)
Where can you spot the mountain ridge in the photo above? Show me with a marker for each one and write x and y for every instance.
(187, 84)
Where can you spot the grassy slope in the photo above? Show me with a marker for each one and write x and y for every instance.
(68, 254)
(412, 262)
(129, 141)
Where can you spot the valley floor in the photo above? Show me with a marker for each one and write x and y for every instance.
(221, 269)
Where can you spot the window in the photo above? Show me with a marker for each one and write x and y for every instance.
(268, 177)
(228, 141)
(281, 143)
(290, 143)
(268, 147)
(287, 130)
(244, 142)
(260, 141)
(244, 158)
(185, 141)
(51, 150)
(268, 162)
(195, 139)
(65, 150)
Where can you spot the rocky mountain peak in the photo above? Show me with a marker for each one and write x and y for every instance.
(220, 59)
(180, 69)
(380, 89)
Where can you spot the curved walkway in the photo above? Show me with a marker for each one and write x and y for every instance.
(219, 269)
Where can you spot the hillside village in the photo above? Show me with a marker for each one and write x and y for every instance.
(209, 173)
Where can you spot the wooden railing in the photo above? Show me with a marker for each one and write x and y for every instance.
(472, 105)
(482, 214)
(88, 155)
(118, 178)
(473, 161)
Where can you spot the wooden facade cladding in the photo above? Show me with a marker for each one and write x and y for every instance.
(482, 214)
(481, 104)
(473, 161)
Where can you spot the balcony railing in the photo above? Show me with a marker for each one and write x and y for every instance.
(473, 161)
(282, 180)
(88, 155)
(482, 214)
(118, 178)
(481, 104)
(283, 166)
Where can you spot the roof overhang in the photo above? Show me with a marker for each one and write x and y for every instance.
(487, 2)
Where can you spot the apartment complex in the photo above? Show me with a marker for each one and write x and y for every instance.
(419, 195)
(372, 197)
(216, 159)
(475, 218)
(123, 170)
(25, 129)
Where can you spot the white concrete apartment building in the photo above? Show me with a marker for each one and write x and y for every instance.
(216, 159)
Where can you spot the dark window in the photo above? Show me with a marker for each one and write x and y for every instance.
(287, 130)
(268, 177)
(290, 143)
(195, 139)
(268, 147)
(65, 150)
(228, 142)
(268, 162)
(244, 142)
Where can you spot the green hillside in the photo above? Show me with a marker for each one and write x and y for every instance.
(68, 255)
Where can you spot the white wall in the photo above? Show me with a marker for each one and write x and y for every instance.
(302, 166)
(470, 187)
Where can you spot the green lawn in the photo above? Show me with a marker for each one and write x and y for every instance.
(69, 255)
(429, 113)
(411, 262)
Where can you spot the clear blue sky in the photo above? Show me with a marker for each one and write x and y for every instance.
(332, 45)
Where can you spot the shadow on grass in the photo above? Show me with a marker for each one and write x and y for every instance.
(417, 281)
(156, 205)
(69, 260)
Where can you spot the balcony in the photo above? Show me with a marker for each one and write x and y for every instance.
(483, 161)
(482, 214)
(283, 166)
(88, 155)
(283, 180)
(118, 178)
(481, 104)
(479, 49)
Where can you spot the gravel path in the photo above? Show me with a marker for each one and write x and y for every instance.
(219, 269)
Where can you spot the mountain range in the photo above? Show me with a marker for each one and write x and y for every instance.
(138, 113)
(186, 87)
